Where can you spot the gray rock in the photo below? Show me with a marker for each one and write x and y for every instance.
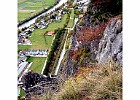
(110, 46)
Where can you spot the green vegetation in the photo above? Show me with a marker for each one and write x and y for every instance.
(103, 83)
(38, 63)
(59, 51)
(23, 47)
(29, 8)
(23, 15)
(56, 48)
(22, 94)
(41, 41)
(56, 24)
(54, 51)
(71, 22)
(77, 12)
(38, 38)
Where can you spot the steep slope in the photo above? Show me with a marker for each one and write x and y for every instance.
(111, 43)
(93, 83)
(96, 40)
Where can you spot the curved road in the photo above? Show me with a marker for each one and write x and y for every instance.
(33, 20)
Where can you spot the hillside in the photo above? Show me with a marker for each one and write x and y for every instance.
(92, 66)
(96, 40)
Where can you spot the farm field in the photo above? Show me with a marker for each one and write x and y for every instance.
(40, 42)
(28, 8)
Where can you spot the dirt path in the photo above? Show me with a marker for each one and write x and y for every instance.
(26, 10)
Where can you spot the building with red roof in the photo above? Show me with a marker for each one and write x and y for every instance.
(50, 33)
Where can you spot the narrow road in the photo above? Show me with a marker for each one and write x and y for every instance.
(60, 59)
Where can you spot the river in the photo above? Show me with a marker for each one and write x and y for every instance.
(50, 10)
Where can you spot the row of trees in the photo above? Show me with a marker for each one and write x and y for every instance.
(54, 48)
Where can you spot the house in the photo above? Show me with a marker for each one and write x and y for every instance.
(50, 33)
(81, 16)
(84, 9)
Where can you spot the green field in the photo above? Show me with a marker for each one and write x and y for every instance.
(71, 22)
(38, 63)
(26, 6)
(40, 42)
(23, 15)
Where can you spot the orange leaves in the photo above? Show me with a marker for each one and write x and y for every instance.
(88, 34)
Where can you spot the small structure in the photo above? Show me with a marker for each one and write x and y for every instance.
(85, 10)
(81, 16)
(50, 33)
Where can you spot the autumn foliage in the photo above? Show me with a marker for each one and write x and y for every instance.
(87, 35)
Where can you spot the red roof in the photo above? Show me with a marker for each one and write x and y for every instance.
(50, 33)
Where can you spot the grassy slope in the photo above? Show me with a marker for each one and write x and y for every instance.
(38, 42)
(103, 83)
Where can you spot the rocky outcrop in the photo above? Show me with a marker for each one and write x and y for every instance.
(38, 84)
(110, 46)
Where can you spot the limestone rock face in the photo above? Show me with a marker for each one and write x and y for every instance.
(110, 45)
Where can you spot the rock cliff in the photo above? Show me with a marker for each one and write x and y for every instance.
(111, 44)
